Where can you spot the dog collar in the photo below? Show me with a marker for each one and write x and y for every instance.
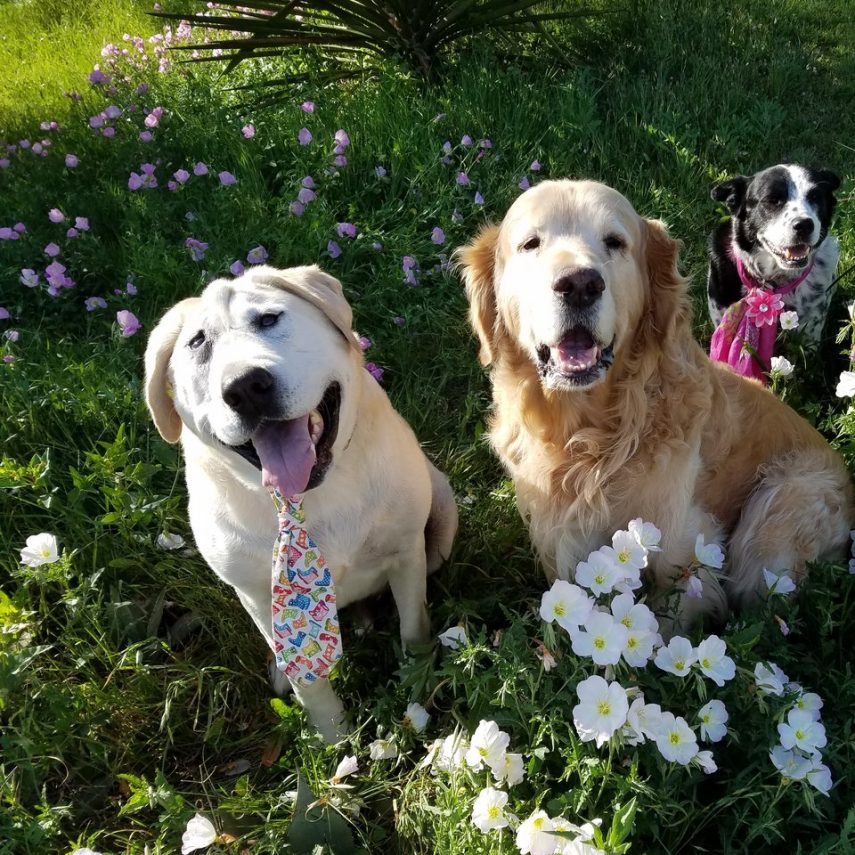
(750, 283)
(306, 632)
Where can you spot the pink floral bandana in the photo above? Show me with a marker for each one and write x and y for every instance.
(745, 338)
(306, 633)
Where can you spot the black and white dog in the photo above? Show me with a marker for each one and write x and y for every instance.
(777, 234)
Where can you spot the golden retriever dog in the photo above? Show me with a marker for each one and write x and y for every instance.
(262, 380)
(606, 408)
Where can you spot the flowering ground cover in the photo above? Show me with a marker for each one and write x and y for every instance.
(135, 714)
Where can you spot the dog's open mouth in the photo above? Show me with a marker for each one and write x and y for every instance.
(794, 256)
(578, 358)
(294, 454)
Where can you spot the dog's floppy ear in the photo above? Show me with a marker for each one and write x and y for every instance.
(731, 192)
(826, 177)
(668, 294)
(158, 352)
(478, 261)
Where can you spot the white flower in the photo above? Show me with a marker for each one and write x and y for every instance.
(510, 769)
(694, 587)
(802, 731)
(601, 638)
(488, 812)
(675, 739)
(819, 775)
(646, 534)
(416, 717)
(454, 637)
(601, 710)
(199, 833)
(383, 749)
(776, 584)
(633, 615)
(566, 603)
(629, 573)
(168, 541)
(85, 851)
(599, 573)
(488, 745)
(642, 721)
(789, 321)
(678, 657)
(347, 767)
(809, 702)
(846, 386)
(770, 681)
(704, 759)
(713, 716)
(708, 554)
(40, 549)
(790, 764)
(629, 552)
(533, 837)
(638, 647)
(580, 845)
(713, 662)
(781, 367)
(447, 754)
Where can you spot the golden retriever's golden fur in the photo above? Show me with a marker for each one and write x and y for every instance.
(663, 433)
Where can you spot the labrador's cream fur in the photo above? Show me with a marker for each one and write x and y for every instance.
(665, 434)
(383, 514)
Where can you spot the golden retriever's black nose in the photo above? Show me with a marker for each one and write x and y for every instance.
(248, 392)
(580, 288)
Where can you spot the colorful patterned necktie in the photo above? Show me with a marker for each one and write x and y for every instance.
(306, 634)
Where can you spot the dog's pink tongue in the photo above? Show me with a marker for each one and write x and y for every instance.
(287, 455)
(577, 350)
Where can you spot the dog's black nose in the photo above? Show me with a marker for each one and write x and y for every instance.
(803, 228)
(248, 392)
(580, 288)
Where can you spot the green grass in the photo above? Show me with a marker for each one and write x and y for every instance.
(129, 661)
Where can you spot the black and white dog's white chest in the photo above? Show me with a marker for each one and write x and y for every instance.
(778, 232)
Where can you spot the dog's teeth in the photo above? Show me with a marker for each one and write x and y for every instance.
(316, 426)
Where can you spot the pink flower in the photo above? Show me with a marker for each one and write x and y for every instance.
(486, 143)
(55, 215)
(257, 255)
(226, 179)
(437, 236)
(308, 106)
(462, 178)
(524, 183)
(374, 370)
(71, 160)
(128, 323)
(38, 148)
(333, 249)
(97, 121)
(113, 112)
(408, 263)
(109, 132)
(304, 137)
(71, 233)
(200, 169)
(466, 140)
(446, 147)
(197, 248)
(55, 273)
(297, 208)
(248, 131)
(152, 120)
(342, 138)
(20, 228)
(236, 268)
(479, 199)
(306, 195)
(135, 181)
(364, 342)
(92, 303)
(346, 230)
(97, 77)
(763, 307)
(29, 278)
(308, 182)
(4, 162)
(172, 186)
(12, 335)
(535, 166)
(8, 234)
(380, 171)
(52, 250)
(25, 144)
(181, 175)
(340, 160)
(4, 314)
(81, 223)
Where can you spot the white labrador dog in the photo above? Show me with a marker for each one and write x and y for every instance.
(262, 379)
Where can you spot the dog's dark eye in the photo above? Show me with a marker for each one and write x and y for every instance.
(530, 244)
(269, 319)
(197, 341)
(614, 242)
(774, 201)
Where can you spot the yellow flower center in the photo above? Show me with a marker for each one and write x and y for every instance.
(599, 643)
(623, 556)
(560, 609)
(482, 752)
(706, 662)
(493, 812)
(538, 823)
(626, 620)
(800, 734)
(706, 719)
(674, 738)
(600, 579)
(604, 708)
(631, 642)
(680, 664)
